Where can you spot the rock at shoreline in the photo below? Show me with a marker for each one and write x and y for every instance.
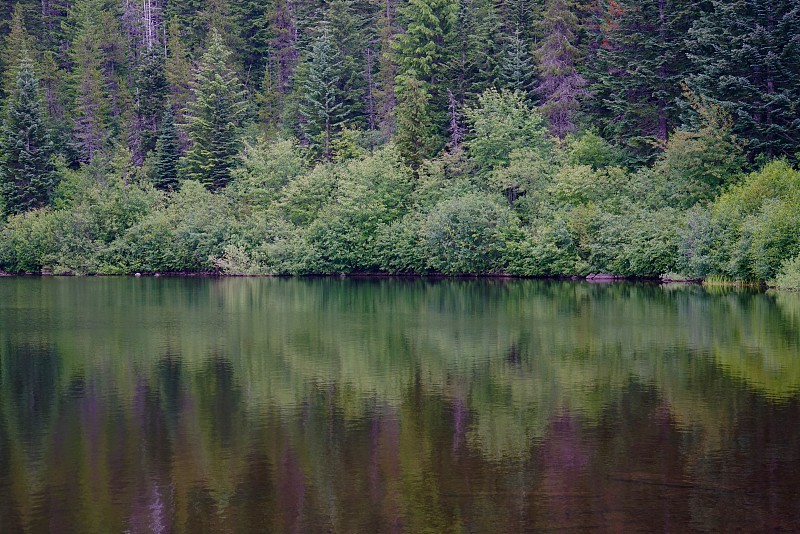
(604, 277)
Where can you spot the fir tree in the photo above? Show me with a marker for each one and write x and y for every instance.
(517, 72)
(425, 56)
(349, 26)
(639, 69)
(560, 84)
(418, 136)
(215, 117)
(178, 70)
(16, 42)
(746, 58)
(321, 106)
(27, 175)
(478, 57)
(165, 168)
(151, 92)
(92, 104)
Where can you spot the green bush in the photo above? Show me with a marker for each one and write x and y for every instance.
(186, 234)
(468, 234)
(789, 275)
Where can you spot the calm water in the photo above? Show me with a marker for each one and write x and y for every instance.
(236, 405)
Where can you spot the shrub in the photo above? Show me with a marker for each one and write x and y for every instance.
(789, 274)
(468, 234)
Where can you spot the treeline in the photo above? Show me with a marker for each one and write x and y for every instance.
(551, 137)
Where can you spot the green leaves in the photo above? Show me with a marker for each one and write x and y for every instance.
(502, 122)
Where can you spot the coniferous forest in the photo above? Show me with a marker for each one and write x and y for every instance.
(523, 137)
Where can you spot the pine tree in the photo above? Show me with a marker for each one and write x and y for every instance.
(150, 95)
(215, 118)
(479, 54)
(561, 86)
(165, 168)
(418, 136)
(27, 175)
(746, 58)
(517, 72)
(425, 56)
(178, 70)
(639, 69)
(16, 42)
(322, 102)
(385, 98)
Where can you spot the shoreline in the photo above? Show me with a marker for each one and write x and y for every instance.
(595, 278)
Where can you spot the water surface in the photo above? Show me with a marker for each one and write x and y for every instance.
(328, 405)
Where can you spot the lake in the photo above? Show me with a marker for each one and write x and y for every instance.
(380, 405)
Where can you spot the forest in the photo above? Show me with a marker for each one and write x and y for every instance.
(655, 138)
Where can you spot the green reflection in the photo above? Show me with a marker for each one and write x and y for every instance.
(192, 403)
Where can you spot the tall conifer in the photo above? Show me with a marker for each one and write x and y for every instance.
(639, 69)
(322, 100)
(215, 118)
(27, 175)
(746, 58)
(165, 168)
(561, 86)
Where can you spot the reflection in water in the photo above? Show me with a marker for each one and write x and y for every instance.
(183, 405)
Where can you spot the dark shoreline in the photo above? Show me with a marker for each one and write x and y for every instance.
(596, 278)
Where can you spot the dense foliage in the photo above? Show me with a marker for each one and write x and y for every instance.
(553, 137)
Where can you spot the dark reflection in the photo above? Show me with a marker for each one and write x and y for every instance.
(193, 405)
(30, 376)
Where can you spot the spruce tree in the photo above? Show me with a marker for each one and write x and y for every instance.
(27, 175)
(638, 71)
(178, 70)
(425, 56)
(478, 53)
(385, 98)
(151, 92)
(16, 42)
(746, 58)
(165, 168)
(97, 62)
(322, 101)
(517, 72)
(418, 136)
(561, 86)
(354, 36)
(215, 118)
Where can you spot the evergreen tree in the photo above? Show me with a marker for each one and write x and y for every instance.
(746, 58)
(283, 46)
(385, 98)
(151, 92)
(92, 106)
(425, 59)
(27, 175)
(639, 69)
(350, 29)
(17, 41)
(215, 117)
(418, 136)
(561, 86)
(321, 105)
(165, 168)
(99, 63)
(517, 72)
(178, 70)
(479, 51)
